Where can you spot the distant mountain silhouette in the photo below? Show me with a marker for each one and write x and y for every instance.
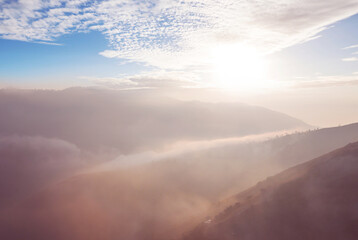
(129, 121)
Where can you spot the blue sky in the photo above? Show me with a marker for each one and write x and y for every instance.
(323, 55)
(127, 43)
(76, 56)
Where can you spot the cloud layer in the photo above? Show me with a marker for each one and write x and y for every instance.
(173, 34)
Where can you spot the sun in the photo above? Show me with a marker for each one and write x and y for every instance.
(238, 67)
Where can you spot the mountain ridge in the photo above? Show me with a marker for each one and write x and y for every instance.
(327, 182)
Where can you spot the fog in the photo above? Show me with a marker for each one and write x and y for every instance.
(181, 148)
(99, 164)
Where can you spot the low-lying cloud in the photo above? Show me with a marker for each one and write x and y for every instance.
(179, 149)
(30, 163)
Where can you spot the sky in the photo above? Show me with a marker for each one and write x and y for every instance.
(295, 56)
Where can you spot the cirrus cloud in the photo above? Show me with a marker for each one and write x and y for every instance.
(327, 81)
(350, 59)
(173, 34)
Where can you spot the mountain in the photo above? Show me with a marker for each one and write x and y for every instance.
(314, 200)
(312, 143)
(125, 122)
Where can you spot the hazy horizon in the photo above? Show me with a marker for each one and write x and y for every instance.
(327, 110)
(295, 57)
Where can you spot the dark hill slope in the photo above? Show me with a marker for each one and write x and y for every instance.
(314, 200)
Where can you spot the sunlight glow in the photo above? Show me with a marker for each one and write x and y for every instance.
(239, 67)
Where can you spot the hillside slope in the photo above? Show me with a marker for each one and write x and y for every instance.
(314, 200)
(153, 200)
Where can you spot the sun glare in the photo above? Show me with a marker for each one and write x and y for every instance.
(238, 67)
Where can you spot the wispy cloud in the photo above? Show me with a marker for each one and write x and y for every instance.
(152, 79)
(49, 43)
(162, 40)
(350, 47)
(37, 20)
(174, 34)
(350, 59)
(327, 81)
